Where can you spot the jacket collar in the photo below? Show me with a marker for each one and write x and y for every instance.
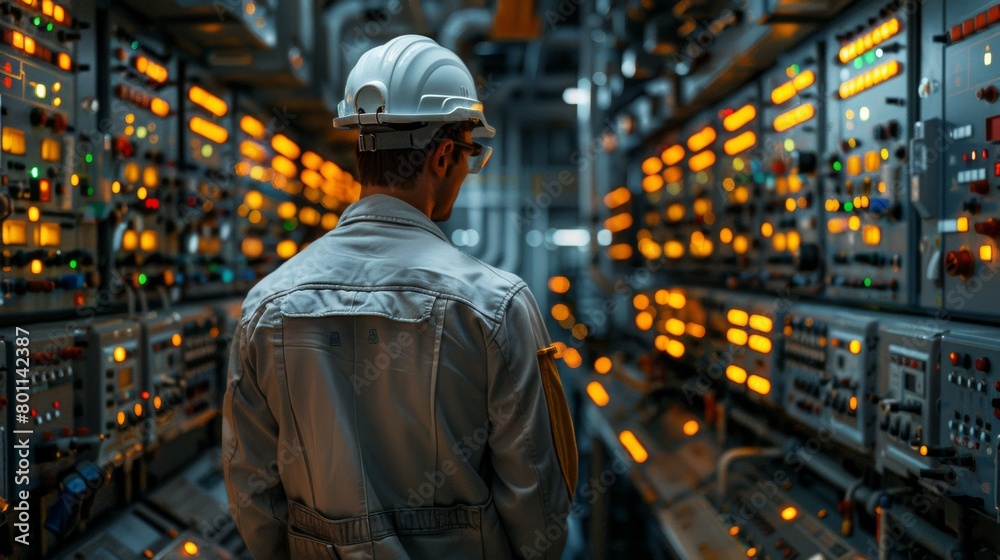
(385, 208)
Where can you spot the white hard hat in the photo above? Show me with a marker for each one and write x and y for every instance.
(407, 81)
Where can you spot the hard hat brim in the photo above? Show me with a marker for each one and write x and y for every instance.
(481, 129)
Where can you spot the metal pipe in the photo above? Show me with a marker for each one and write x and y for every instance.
(938, 542)
(462, 22)
(342, 14)
(731, 456)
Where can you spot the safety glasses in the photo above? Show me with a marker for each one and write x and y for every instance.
(479, 154)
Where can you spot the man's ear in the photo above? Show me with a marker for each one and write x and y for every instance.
(440, 158)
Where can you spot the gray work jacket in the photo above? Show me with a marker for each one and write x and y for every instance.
(392, 397)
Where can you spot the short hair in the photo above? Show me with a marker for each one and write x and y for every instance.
(399, 168)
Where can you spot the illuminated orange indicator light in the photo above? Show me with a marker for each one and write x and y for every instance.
(761, 323)
(701, 161)
(677, 300)
(854, 346)
(736, 374)
(207, 101)
(602, 365)
(740, 117)
(652, 165)
(285, 146)
(672, 155)
(644, 321)
(190, 548)
(734, 530)
(175, 339)
(691, 427)
(868, 41)
(618, 222)
(789, 89)
(620, 252)
(617, 197)
(869, 79)
(252, 127)
(157, 402)
(758, 384)
(853, 403)
(597, 393)
(701, 139)
(120, 417)
(789, 513)
(759, 343)
(283, 165)
(209, 130)
(151, 70)
(312, 160)
(120, 354)
(632, 445)
(738, 317)
(559, 284)
(794, 117)
(741, 143)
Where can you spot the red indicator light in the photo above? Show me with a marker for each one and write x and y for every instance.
(34, 413)
(45, 190)
(144, 395)
(152, 203)
(993, 128)
(996, 169)
(55, 405)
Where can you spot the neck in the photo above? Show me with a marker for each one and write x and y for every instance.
(415, 196)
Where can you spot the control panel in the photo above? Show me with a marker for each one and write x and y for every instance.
(206, 191)
(139, 174)
(967, 446)
(866, 193)
(830, 364)
(790, 206)
(731, 210)
(970, 131)
(754, 352)
(49, 249)
(909, 381)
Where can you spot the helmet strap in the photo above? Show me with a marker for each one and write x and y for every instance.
(398, 139)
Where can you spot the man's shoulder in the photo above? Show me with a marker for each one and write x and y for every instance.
(439, 268)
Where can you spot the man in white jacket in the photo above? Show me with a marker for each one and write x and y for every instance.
(390, 396)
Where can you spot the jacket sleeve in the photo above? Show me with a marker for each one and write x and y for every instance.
(533, 450)
(250, 455)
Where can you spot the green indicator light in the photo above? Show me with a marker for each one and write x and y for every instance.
(795, 69)
(289, 225)
(135, 45)
(90, 191)
(848, 206)
(142, 279)
(858, 63)
(206, 151)
(89, 158)
(49, 27)
(227, 276)
(213, 267)
(870, 57)
(37, 20)
(34, 172)
(868, 282)
(836, 166)
(72, 263)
